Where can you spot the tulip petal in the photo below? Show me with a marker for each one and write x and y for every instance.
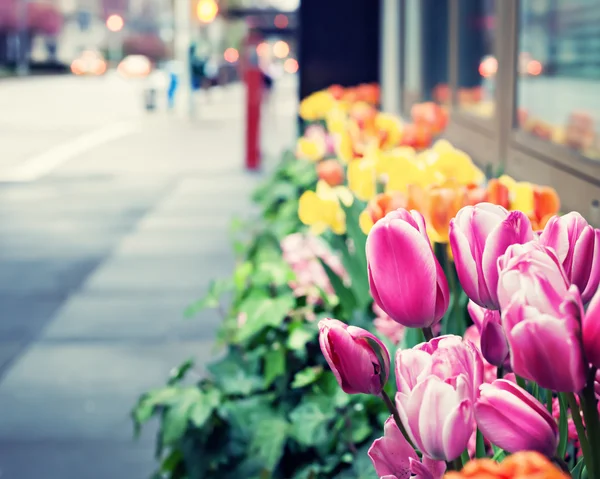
(457, 430)
(466, 267)
(392, 454)
(402, 261)
(411, 366)
(591, 331)
(438, 403)
(536, 343)
(516, 228)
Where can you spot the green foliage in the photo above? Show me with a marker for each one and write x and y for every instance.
(269, 407)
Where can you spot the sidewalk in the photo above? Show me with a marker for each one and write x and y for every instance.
(142, 224)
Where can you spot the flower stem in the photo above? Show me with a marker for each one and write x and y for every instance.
(592, 421)
(394, 412)
(583, 440)
(457, 463)
(428, 333)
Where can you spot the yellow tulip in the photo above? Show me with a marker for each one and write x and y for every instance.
(403, 172)
(313, 149)
(362, 178)
(315, 106)
(520, 194)
(390, 129)
(336, 119)
(455, 165)
(321, 209)
(365, 222)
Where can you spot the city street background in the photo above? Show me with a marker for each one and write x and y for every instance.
(114, 219)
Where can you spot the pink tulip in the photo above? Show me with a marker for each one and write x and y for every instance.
(512, 419)
(494, 346)
(405, 278)
(438, 416)
(490, 372)
(541, 317)
(446, 357)
(479, 235)
(577, 245)
(533, 281)
(394, 458)
(535, 270)
(591, 331)
(350, 353)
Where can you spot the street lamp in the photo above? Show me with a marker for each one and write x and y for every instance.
(207, 10)
(114, 24)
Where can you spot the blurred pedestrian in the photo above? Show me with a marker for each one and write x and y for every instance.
(173, 72)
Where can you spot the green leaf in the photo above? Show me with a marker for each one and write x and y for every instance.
(577, 472)
(361, 426)
(276, 272)
(563, 428)
(236, 375)
(345, 294)
(362, 465)
(269, 441)
(412, 337)
(211, 300)
(309, 424)
(274, 364)
(306, 376)
(329, 386)
(148, 403)
(176, 418)
(202, 410)
(480, 446)
(171, 461)
(241, 274)
(263, 313)
(299, 335)
(499, 454)
(177, 374)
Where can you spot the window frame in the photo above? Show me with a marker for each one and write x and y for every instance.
(498, 142)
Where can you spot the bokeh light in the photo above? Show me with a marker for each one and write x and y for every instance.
(281, 21)
(263, 49)
(231, 55)
(290, 65)
(281, 49)
(115, 23)
(207, 10)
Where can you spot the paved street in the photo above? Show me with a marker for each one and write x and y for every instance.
(113, 220)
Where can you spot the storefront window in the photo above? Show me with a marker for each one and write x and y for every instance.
(412, 53)
(477, 63)
(558, 87)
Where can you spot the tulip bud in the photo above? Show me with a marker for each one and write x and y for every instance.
(494, 346)
(479, 235)
(591, 331)
(577, 245)
(511, 418)
(357, 358)
(438, 416)
(405, 278)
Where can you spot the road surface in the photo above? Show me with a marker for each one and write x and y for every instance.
(113, 220)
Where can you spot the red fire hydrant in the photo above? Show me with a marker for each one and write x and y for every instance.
(253, 79)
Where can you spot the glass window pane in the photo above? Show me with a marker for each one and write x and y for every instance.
(425, 52)
(558, 86)
(477, 64)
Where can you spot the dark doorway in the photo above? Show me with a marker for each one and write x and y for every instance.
(338, 43)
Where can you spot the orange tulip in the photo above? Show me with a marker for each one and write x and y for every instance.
(546, 204)
(337, 91)
(380, 206)
(368, 92)
(331, 171)
(442, 205)
(522, 465)
(417, 135)
(474, 194)
(497, 193)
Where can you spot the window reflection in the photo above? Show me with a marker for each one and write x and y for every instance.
(425, 60)
(558, 85)
(477, 64)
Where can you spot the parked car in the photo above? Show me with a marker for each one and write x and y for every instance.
(90, 62)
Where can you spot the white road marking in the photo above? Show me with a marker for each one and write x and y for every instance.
(40, 165)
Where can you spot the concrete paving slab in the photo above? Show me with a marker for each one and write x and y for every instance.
(118, 318)
(162, 275)
(165, 243)
(61, 390)
(76, 460)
